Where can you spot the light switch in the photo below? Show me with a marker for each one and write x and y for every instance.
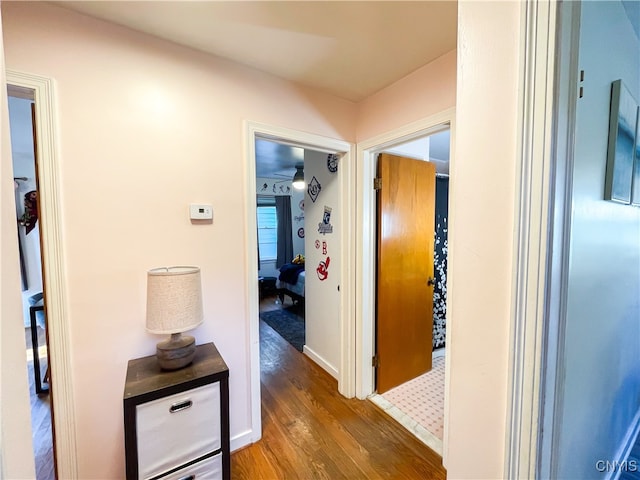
(200, 211)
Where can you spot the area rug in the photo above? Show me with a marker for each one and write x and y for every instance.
(288, 325)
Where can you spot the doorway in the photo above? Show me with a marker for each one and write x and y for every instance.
(441, 125)
(63, 420)
(23, 142)
(280, 218)
(333, 348)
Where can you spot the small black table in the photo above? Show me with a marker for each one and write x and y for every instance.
(147, 384)
(37, 307)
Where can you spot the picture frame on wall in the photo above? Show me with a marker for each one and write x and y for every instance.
(635, 182)
(621, 152)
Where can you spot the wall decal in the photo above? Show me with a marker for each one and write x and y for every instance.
(301, 232)
(325, 226)
(314, 189)
(322, 269)
(271, 186)
(299, 218)
(332, 162)
(324, 248)
(317, 244)
(301, 204)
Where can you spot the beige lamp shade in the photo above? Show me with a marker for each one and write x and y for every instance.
(174, 299)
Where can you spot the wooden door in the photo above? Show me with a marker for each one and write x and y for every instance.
(404, 307)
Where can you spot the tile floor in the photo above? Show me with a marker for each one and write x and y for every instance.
(419, 404)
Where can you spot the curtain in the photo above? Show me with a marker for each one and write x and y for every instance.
(285, 235)
(440, 263)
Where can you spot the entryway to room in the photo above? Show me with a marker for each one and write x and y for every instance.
(280, 207)
(23, 142)
(408, 258)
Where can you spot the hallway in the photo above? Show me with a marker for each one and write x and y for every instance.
(311, 431)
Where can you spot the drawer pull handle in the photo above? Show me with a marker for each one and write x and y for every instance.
(176, 407)
(188, 477)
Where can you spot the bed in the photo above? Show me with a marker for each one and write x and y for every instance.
(291, 282)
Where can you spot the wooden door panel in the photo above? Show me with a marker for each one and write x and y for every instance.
(406, 218)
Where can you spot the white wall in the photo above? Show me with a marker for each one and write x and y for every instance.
(322, 297)
(146, 127)
(602, 346)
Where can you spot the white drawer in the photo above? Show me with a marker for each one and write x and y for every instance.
(177, 429)
(208, 469)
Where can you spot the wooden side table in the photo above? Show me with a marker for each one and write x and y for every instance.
(176, 423)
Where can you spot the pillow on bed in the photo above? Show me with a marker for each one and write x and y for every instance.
(298, 260)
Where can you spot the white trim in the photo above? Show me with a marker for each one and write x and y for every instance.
(346, 374)
(534, 221)
(324, 364)
(241, 440)
(566, 86)
(366, 261)
(53, 269)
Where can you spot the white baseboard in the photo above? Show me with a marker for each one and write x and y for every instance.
(242, 440)
(625, 447)
(321, 361)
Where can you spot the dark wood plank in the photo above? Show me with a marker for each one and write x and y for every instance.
(41, 427)
(311, 431)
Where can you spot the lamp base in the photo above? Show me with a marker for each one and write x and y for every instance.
(176, 352)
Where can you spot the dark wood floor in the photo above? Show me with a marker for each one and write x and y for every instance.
(40, 419)
(310, 431)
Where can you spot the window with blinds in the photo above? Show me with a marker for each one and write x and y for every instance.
(267, 228)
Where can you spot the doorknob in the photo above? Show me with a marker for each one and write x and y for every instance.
(431, 282)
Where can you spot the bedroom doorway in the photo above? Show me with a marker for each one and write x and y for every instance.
(316, 292)
(281, 247)
(299, 259)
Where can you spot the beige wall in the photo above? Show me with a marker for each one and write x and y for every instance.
(429, 90)
(147, 127)
(481, 220)
(16, 456)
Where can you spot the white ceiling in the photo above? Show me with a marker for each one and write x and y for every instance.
(350, 49)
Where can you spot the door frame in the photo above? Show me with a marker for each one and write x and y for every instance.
(53, 266)
(549, 82)
(366, 216)
(346, 373)
(366, 241)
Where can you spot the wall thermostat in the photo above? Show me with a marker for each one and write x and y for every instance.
(198, 211)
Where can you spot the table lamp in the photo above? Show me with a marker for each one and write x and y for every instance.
(174, 305)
